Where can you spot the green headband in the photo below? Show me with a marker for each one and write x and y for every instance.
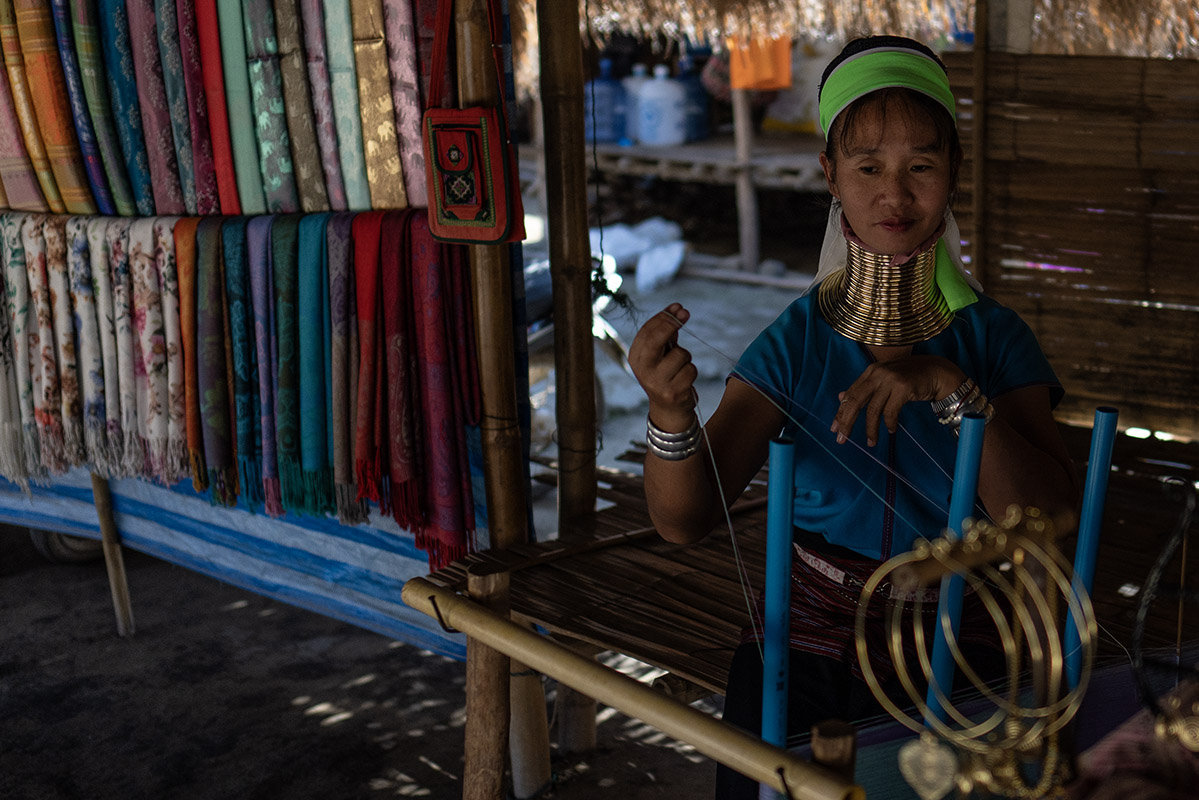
(883, 68)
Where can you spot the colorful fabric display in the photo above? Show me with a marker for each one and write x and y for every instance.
(208, 34)
(343, 78)
(214, 369)
(402, 58)
(380, 145)
(237, 102)
(89, 358)
(58, 285)
(262, 289)
(247, 419)
(153, 391)
(171, 61)
(47, 399)
(23, 328)
(285, 269)
(133, 454)
(313, 16)
(122, 84)
(270, 118)
(154, 107)
(97, 247)
(168, 281)
(343, 382)
(403, 447)
(43, 70)
(14, 64)
(315, 364)
(89, 148)
(185, 266)
(86, 34)
(305, 155)
(12, 451)
(370, 437)
(207, 194)
(21, 187)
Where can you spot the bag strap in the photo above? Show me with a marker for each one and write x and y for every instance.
(441, 41)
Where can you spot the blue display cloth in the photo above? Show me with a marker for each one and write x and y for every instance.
(350, 573)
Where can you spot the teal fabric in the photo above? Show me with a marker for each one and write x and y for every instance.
(172, 77)
(343, 75)
(316, 364)
(237, 101)
(126, 110)
(247, 419)
(270, 117)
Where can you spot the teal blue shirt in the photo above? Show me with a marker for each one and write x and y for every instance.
(848, 493)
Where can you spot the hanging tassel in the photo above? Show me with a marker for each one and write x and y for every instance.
(12, 456)
(199, 469)
(406, 505)
(274, 497)
(250, 472)
(350, 510)
(318, 491)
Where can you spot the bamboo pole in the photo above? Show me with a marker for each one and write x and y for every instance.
(114, 561)
(741, 751)
(491, 281)
(570, 255)
(978, 166)
(747, 197)
(528, 740)
(487, 693)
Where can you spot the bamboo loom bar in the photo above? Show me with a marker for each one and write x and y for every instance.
(114, 561)
(715, 739)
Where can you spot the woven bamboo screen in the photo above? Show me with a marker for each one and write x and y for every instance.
(1092, 224)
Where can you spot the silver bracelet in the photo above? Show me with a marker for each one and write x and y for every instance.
(953, 398)
(975, 402)
(670, 446)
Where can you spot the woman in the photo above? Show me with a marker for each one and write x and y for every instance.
(891, 324)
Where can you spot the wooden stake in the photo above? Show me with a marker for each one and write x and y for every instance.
(110, 540)
(486, 695)
(747, 197)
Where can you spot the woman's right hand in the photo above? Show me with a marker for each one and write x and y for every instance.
(664, 369)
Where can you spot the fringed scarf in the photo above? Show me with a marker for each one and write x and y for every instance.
(133, 454)
(285, 268)
(47, 400)
(344, 359)
(403, 445)
(214, 369)
(12, 451)
(177, 464)
(370, 435)
(21, 314)
(90, 358)
(448, 389)
(262, 289)
(70, 396)
(185, 264)
(316, 365)
(248, 421)
(97, 245)
(150, 367)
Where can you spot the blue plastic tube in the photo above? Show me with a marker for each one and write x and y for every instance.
(780, 514)
(1099, 464)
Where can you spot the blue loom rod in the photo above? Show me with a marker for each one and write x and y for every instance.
(961, 506)
(776, 647)
(1099, 465)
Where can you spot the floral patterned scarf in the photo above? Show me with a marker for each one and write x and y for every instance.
(168, 281)
(150, 365)
(133, 454)
(21, 314)
(90, 357)
(97, 247)
(14, 349)
(47, 400)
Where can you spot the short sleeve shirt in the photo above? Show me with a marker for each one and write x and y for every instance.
(879, 500)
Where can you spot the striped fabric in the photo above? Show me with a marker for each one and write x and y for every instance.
(118, 60)
(171, 61)
(21, 187)
(343, 78)
(313, 16)
(380, 144)
(43, 69)
(305, 154)
(86, 32)
(237, 101)
(209, 35)
(270, 119)
(207, 194)
(88, 146)
(156, 115)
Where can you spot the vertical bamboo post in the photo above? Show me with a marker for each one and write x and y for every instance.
(978, 139)
(110, 540)
(747, 198)
(529, 734)
(486, 695)
(570, 254)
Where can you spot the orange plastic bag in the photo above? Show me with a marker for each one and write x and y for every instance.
(763, 64)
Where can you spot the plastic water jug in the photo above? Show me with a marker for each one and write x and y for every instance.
(662, 110)
(604, 106)
(697, 100)
(632, 89)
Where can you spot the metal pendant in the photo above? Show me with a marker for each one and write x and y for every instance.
(929, 766)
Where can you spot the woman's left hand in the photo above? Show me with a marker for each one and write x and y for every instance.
(884, 387)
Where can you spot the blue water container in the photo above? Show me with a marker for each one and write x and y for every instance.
(662, 110)
(697, 99)
(604, 106)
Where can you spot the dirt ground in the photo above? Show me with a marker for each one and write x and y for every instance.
(224, 694)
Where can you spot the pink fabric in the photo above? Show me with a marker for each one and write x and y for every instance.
(207, 198)
(402, 58)
(156, 115)
(312, 15)
(16, 170)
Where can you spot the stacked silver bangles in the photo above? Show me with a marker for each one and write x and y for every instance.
(966, 399)
(673, 446)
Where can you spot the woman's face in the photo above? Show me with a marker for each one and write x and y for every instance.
(891, 177)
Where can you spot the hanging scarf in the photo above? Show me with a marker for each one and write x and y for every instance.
(168, 281)
(86, 33)
(262, 289)
(133, 453)
(167, 28)
(21, 324)
(118, 65)
(315, 364)
(239, 106)
(150, 364)
(405, 96)
(23, 105)
(207, 193)
(306, 159)
(97, 247)
(70, 396)
(248, 420)
(381, 148)
(402, 400)
(217, 427)
(47, 87)
(12, 456)
(185, 265)
(285, 267)
(154, 107)
(16, 172)
(208, 33)
(312, 13)
(370, 437)
(343, 383)
(89, 148)
(89, 358)
(343, 79)
(270, 116)
(47, 400)
(447, 403)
